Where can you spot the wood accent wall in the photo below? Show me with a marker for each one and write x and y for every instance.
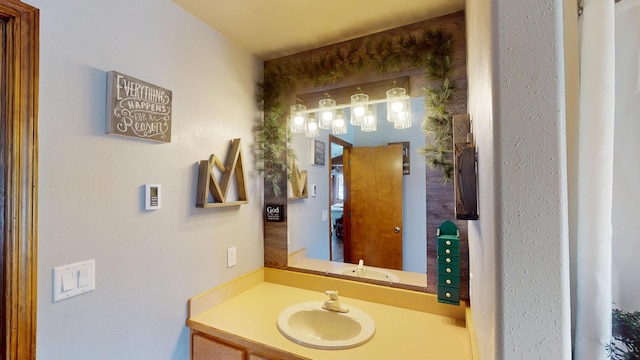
(19, 28)
(440, 197)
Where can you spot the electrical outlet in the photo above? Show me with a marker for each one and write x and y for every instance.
(231, 257)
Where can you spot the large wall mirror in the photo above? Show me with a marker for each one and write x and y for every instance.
(396, 236)
(380, 180)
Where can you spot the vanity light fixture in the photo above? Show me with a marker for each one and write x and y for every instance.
(362, 111)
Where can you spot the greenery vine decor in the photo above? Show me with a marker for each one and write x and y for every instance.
(626, 335)
(438, 122)
(272, 149)
(428, 50)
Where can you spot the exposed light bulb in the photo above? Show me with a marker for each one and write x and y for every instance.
(312, 126)
(298, 119)
(397, 106)
(339, 122)
(327, 116)
(358, 111)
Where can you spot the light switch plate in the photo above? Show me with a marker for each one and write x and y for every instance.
(231, 257)
(73, 279)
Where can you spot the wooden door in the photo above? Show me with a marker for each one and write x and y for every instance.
(375, 205)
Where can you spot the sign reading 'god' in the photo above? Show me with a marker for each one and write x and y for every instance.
(274, 212)
(137, 109)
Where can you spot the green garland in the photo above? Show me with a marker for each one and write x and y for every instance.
(438, 122)
(429, 49)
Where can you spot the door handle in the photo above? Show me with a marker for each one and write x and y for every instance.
(396, 229)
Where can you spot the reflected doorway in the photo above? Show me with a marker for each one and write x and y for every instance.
(365, 198)
(339, 225)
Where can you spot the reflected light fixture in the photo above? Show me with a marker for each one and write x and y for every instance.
(370, 119)
(339, 125)
(312, 127)
(327, 113)
(398, 108)
(298, 118)
(403, 120)
(362, 111)
(358, 108)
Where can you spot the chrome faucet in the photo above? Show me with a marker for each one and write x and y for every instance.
(360, 270)
(333, 304)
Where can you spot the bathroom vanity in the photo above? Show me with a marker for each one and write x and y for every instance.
(237, 320)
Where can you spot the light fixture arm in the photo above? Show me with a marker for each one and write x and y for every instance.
(343, 106)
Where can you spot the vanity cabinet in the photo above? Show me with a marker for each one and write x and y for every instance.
(448, 248)
(207, 347)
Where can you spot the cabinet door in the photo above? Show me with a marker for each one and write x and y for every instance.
(206, 348)
(257, 357)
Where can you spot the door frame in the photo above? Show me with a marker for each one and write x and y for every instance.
(18, 185)
(346, 240)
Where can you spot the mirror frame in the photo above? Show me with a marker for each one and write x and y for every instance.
(276, 233)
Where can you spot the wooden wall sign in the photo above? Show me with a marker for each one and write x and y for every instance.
(137, 109)
(274, 212)
(208, 184)
(464, 164)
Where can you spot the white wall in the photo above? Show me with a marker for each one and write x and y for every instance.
(148, 263)
(519, 247)
(483, 272)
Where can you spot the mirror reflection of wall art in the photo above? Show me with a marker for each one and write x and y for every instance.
(298, 181)
(318, 152)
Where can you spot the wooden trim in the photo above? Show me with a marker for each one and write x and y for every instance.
(19, 167)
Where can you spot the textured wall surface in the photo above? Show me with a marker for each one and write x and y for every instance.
(148, 263)
(483, 271)
(532, 257)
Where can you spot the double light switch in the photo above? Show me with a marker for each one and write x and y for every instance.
(73, 279)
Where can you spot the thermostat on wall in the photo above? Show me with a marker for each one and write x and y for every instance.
(152, 196)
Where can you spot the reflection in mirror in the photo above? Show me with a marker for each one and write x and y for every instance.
(337, 197)
(319, 226)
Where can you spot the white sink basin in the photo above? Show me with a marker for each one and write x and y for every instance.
(308, 324)
(370, 273)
